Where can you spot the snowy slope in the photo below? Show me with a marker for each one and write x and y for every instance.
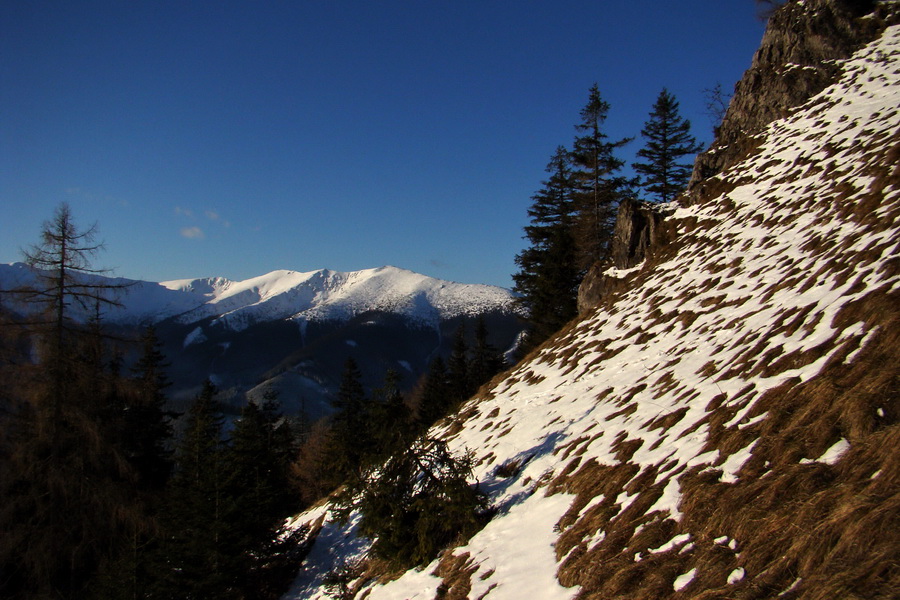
(633, 426)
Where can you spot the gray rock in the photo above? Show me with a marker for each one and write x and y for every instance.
(798, 57)
(637, 230)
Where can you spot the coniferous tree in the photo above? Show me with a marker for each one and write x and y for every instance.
(147, 427)
(486, 360)
(62, 263)
(548, 276)
(668, 142)
(312, 472)
(599, 186)
(458, 366)
(435, 395)
(66, 488)
(417, 502)
(257, 469)
(351, 432)
(197, 556)
(391, 420)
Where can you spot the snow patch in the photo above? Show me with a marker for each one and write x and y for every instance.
(682, 581)
(830, 456)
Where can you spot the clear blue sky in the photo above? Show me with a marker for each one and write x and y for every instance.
(235, 138)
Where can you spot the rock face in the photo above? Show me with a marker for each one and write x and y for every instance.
(638, 226)
(797, 58)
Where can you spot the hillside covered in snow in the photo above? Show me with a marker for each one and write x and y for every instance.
(724, 424)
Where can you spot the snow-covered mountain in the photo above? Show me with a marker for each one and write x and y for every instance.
(322, 295)
(725, 423)
(292, 331)
(326, 295)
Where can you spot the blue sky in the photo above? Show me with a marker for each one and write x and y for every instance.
(236, 138)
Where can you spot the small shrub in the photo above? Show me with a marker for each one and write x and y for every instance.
(418, 502)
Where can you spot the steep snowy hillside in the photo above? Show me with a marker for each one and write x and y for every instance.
(725, 426)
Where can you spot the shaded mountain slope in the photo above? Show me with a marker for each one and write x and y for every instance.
(725, 425)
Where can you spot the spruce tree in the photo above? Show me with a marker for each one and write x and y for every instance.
(486, 360)
(197, 556)
(668, 142)
(351, 432)
(257, 469)
(147, 428)
(458, 366)
(417, 502)
(599, 186)
(391, 420)
(548, 276)
(435, 396)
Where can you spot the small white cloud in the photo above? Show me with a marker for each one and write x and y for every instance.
(212, 215)
(184, 211)
(192, 233)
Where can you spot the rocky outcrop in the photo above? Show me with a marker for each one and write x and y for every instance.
(637, 224)
(798, 57)
(637, 230)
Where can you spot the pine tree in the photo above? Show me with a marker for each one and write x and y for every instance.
(458, 367)
(486, 360)
(197, 556)
(351, 432)
(599, 187)
(668, 141)
(548, 276)
(435, 396)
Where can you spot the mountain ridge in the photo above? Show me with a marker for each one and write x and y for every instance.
(291, 332)
(325, 294)
(314, 295)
